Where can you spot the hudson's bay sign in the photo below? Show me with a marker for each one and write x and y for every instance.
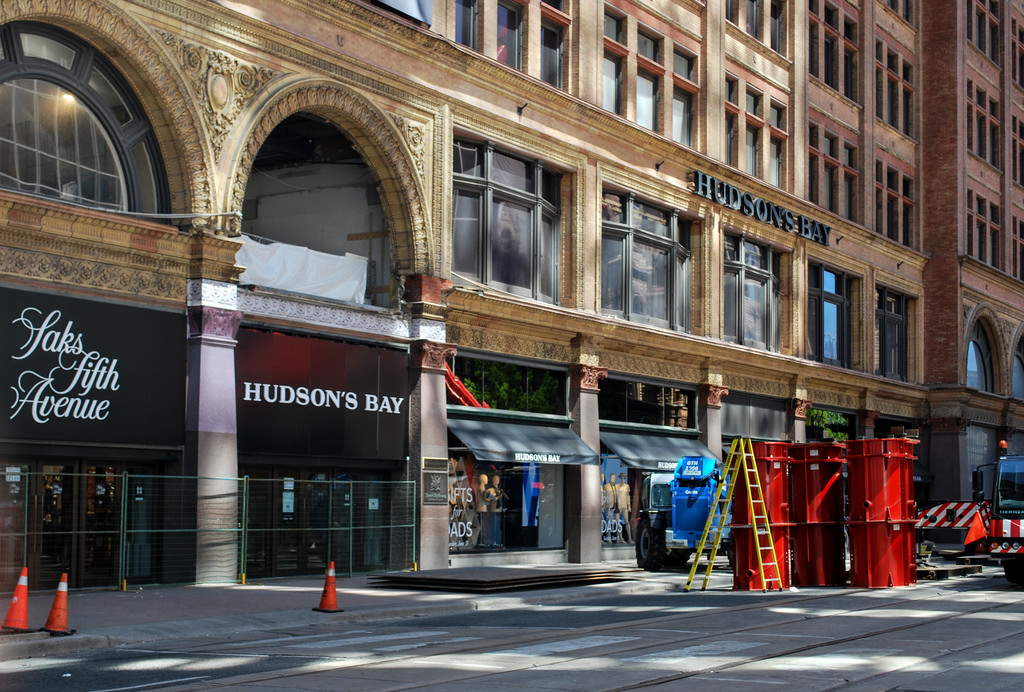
(728, 195)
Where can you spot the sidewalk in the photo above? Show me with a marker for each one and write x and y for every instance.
(103, 618)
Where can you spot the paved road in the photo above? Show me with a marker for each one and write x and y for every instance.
(950, 635)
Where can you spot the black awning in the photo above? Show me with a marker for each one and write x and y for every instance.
(521, 442)
(653, 452)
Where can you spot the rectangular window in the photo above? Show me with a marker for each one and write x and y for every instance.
(751, 294)
(647, 46)
(551, 54)
(684, 65)
(891, 334)
(753, 150)
(465, 23)
(506, 221)
(646, 101)
(730, 139)
(612, 100)
(613, 28)
(508, 35)
(775, 172)
(754, 18)
(778, 19)
(828, 316)
(644, 253)
(682, 117)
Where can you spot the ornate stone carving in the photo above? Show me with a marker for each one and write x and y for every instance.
(711, 394)
(801, 407)
(214, 322)
(947, 425)
(431, 355)
(222, 85)
(415, 137)
(588, 377)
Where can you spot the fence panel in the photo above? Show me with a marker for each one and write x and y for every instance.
(133, 530)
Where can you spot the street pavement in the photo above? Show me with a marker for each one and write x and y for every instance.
(641, 631)
(107, 618)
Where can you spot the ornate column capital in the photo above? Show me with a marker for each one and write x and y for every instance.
(431, 355)
(800, 407)
(711, 394)
(207, 321)
(587, 377)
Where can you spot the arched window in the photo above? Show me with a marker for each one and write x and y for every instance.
(70, 128)
(1018, 371)
(979, 360)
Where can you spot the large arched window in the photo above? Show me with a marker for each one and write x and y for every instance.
(70, 128)
(979, 360)
(1018, 371)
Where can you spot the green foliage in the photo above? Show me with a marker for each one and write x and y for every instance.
(514, 387)
(830, 424)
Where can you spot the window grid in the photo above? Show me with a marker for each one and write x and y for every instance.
(828, 315)
(983, 29)
(645, 275)
(832, 172)
(891, 334)
(983, 124)
(832, 46)
(894, 204)
(752, 294)
(984, 235)
(894, 89)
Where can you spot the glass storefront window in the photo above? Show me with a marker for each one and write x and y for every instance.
(513, 387)
(503, 506)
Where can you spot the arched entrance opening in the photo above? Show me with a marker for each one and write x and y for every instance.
(313, 222)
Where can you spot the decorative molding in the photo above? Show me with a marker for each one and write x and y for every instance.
(711, 395)
(415, 138)
(218, 294)
(945, 426)
(587, 377)
(431, 355)
(206, 321)
(222, 85)
(309, 312)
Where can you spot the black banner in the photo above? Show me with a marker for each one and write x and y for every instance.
(80, 370)
(310, 396)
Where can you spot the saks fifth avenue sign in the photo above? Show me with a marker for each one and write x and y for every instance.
(728, 195)
(79, 370)
(69, 380)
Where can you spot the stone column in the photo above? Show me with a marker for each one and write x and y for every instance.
(797, 422)
(866, 419)
(211, 444)
(709, 416)
(583, 483)
(428, 448)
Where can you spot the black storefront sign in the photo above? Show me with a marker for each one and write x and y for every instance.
(316, 397)
(85, 371)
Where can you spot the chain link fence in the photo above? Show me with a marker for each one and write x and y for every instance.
(129, 530)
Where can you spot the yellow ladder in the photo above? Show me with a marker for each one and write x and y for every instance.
(741, 461)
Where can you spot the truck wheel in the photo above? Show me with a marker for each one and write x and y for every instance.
(1014, 570)
(650, 546)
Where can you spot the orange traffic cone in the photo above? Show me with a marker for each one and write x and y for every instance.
(17, 614)
(57, 623)
(329, 599)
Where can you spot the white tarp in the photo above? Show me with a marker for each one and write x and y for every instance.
(422, 10)
(301, 270)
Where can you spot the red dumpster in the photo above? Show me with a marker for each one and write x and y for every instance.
(882, 554)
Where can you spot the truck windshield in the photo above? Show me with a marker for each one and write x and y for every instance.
(1010, 488)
